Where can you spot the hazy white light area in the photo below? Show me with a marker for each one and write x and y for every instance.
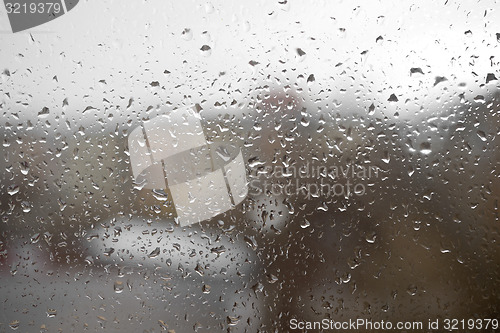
(359, 53)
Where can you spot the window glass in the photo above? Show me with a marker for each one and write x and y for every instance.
(266, 166)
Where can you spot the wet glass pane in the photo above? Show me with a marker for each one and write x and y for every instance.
(269, 166)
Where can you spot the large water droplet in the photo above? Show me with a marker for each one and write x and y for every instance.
(118, 286)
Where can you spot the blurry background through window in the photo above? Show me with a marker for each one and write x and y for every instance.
(398, 98)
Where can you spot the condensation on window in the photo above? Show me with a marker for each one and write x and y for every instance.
(261, 166)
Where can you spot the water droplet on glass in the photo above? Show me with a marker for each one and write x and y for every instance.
(26, 206)
(154, 253)
(482, 135)
(35, 238)
(13, 189)
(199, 269)
(425, 148)
(24, 168)
(233, 321)
(412, 290)
(223, 153)
(393, 98)
(160, 195)
(51, 313)
(206, 50)
(44, 112)
(300, 52)
(163, 325)
(370, 238)
(118, 287)
(187, 34)
(14, 324)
